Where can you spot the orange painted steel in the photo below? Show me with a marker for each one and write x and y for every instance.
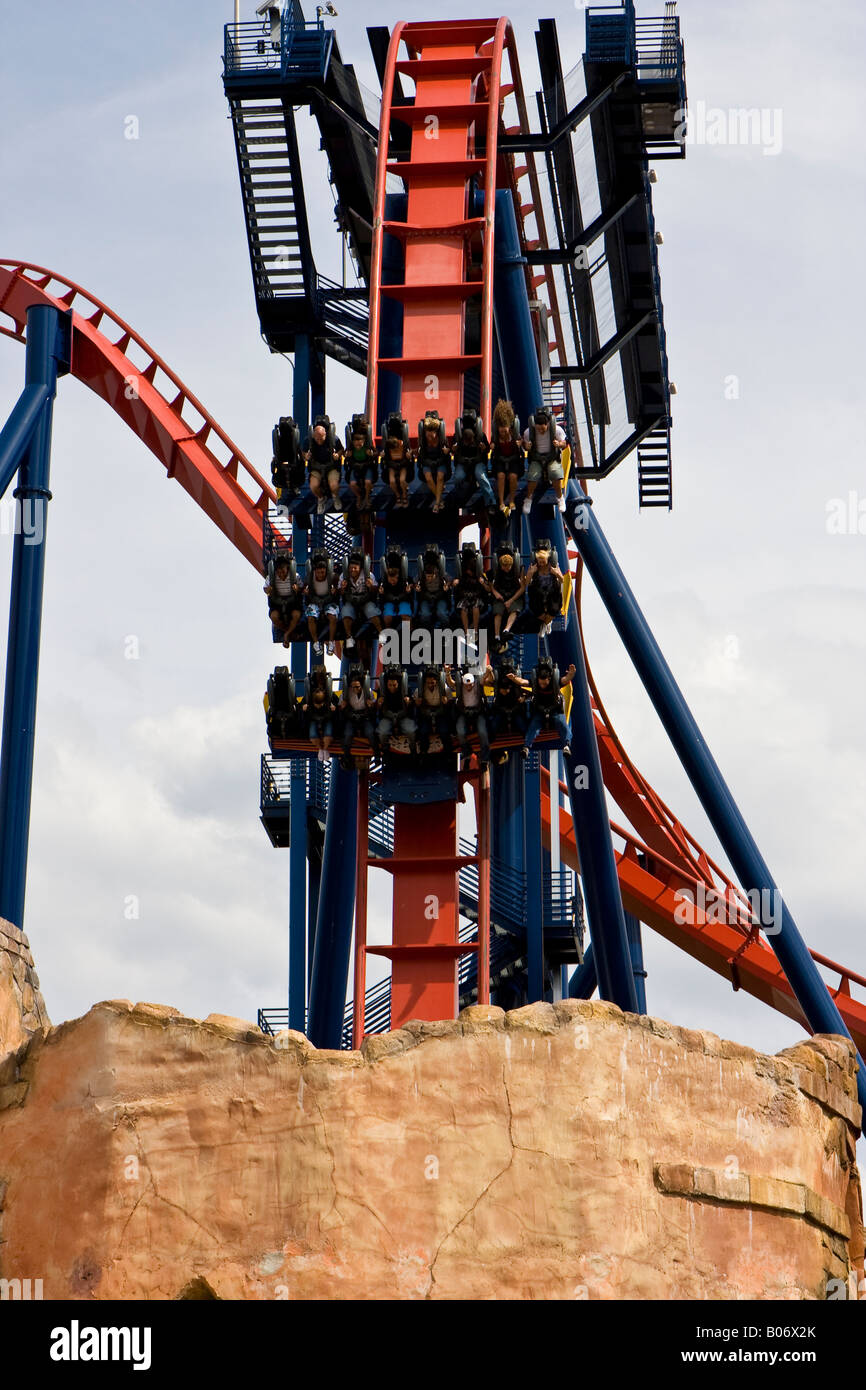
(456, 69)
(186, 448)
(652, 888)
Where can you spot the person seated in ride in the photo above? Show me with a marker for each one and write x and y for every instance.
(469, 451)
(511, 692)
(396, 460)
(470, 589)
(433, 702)
(506, 455)
(358, 596)
(433, 588)
(324, 459)
(395, 711)
(281, 710)
(287, 463)
(321, 600)
(434, 456)
(319, 706)
(285, 596)
(471, 708)
(357, 708)
(545, 441)
(362, 466)
(507, 586)
(395, 590)
(546, 707)
(544, 582)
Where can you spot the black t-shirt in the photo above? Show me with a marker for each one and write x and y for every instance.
(507, 582)
(547, 702)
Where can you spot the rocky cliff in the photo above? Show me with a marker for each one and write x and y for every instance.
(567, 1151)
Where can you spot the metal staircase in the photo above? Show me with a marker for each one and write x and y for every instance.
(265, 167)
(654, 482)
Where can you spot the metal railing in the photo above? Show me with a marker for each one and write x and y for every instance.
(298, 48)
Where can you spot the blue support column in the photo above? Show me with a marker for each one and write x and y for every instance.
(533, 860)
(298, 835)
(635, 945)
(48, 356)
(512, 319)
(334, 924)
(584, 981)
(715, 796)
(18, 430)
(589, 810)
(314, 883)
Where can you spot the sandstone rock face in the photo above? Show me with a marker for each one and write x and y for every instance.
(22, 1008)
(567, 1151)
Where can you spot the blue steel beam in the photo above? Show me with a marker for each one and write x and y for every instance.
(589, 809)
(584, 981)
(511, 316)
(299, 962)
(635, 943)
(18, 430)
(48, 355)
(334, 923)
(703, 772)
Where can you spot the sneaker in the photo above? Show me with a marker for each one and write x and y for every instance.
(527, 506)
(330, 647)
(524, 752)
(320, 509)
(566, 749)
(560, 502)
(317, 648)
(350, 642)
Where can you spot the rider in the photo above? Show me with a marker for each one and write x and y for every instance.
(507, 587)
(545, 441)
(434, 456)
(546, 707)
(544, 582)
(506, 455)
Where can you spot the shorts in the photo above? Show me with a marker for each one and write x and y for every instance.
(536, 471)
(500, 608)
(440, 470)
(466, 605)
(397, 608)
(320, 728)
(320, 471)
(363, 475)
(369, 609)
(325, 608)
(500, 465)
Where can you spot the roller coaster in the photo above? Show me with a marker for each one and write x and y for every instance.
(495, 256)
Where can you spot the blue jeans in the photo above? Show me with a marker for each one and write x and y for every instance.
(481, 478)
(434, 610)
(557, 722)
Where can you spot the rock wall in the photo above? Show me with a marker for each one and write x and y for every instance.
(567, 1151)
(22, 1008)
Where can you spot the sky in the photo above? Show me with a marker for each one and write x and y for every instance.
(150, 876)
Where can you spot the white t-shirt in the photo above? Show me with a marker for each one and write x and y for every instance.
(283, 587)
(544, 443)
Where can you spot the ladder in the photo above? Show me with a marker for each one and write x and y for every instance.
(654, 482)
